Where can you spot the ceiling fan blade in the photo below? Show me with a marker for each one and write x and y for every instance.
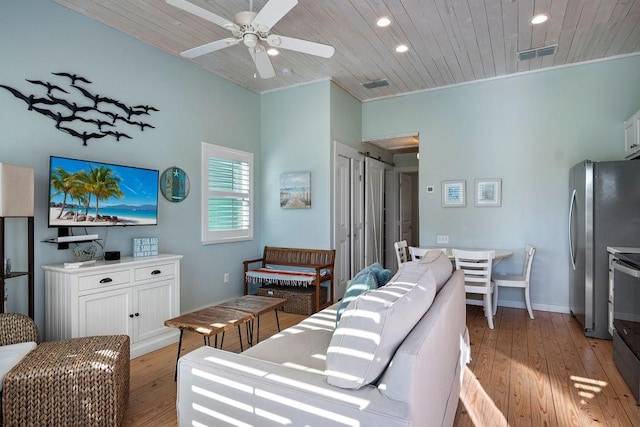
(262, 61)
(272, 12)
(209, 47)
(299, 45)
(203, 13)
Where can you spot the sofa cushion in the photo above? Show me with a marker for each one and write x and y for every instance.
(363, 281)
(374, 324)
(440, 265)
(11, 354)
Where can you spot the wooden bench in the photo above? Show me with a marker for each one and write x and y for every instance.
(318, 263)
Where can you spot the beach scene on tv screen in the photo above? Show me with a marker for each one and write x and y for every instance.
(84, 193)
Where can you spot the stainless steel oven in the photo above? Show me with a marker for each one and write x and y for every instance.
(624, 313)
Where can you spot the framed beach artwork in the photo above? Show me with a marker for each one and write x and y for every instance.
(488, 192)
(295, 190)
(453, 194)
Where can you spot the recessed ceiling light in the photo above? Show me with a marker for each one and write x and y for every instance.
(539, 19)
(401, 48)
(383, 22)
(272, 51)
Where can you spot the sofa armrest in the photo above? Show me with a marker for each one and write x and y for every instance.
(216, 385)
(16, 328)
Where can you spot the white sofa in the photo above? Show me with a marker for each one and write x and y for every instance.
(286, 379)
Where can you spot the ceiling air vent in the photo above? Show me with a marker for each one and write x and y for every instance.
(375, 84)
(541, 51)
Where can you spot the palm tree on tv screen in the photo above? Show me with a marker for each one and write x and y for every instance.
(103, 184)
(63, 183)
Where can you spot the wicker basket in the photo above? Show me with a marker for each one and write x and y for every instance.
(300, 300)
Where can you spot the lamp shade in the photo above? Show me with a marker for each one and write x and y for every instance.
(16, 190)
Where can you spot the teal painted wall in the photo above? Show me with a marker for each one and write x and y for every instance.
(527, 130)
(295, 137)
(38, 37)
(346, 118)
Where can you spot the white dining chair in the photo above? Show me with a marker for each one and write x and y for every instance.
(516, 280)
(476, 266)
(401, 248)
(419, 253)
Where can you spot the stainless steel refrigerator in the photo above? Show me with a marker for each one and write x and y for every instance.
(604, 210)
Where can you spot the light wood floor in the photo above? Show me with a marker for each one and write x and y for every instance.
(541, 372)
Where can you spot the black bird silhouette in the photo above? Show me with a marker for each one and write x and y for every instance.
(48, 85)
(70, 105)
(30, 100)
(59, 118)
(73, 77)
(97, 122)
(117, 134)
(142, 125)
(85, 136)
(146, 108)
(114, 116)
(130, 112)
(95, 98)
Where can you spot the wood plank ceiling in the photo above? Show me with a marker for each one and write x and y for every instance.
(450, 41)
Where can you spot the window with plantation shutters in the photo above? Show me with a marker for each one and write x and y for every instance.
(227, 194)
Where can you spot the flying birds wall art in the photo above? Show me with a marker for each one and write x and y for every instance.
(81, 112)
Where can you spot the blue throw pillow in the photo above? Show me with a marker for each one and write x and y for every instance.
(383, 275)
(364, 280)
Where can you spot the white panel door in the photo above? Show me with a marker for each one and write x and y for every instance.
(106, 313)
(374, 211)
(342, 220)
(154, 304)
(357, 216)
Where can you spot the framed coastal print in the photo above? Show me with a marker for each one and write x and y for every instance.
(295, 190)
(488, 192)
(453, 194)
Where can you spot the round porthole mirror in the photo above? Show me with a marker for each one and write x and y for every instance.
(174, 184)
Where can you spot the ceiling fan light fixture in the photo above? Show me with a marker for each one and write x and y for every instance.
(402, 48)
(383, 21)
(272, 51)
(539, 19)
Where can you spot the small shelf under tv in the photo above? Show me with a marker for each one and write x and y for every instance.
(64, 238)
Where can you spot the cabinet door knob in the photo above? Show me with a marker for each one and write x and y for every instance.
(106, 280)
(137, 314)
(154, 272)
(131, 315)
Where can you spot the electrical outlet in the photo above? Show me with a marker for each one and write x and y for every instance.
(442, 239)
(226, 277)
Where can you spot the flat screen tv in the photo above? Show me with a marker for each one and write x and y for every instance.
(84, 193)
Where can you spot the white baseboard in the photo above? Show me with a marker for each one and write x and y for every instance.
(520, 304)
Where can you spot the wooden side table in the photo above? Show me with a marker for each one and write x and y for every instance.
(209, 321)
(257, 306)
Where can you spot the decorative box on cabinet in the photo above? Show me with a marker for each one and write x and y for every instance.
(632, 136)
(132, 296)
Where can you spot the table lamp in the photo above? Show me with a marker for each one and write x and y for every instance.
(16, 191)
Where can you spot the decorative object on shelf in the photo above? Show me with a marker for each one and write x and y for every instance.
(454, 194)
(295, 190)
(83, 121)
(84, 252)
(174, 184)
(488, 192)
(145, 246)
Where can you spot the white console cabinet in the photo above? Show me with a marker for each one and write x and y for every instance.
(132, 296)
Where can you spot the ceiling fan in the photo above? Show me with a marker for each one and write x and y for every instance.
(253, 30)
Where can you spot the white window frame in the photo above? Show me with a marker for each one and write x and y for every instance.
(212, 237)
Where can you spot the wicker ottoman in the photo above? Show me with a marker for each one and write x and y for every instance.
(77, 382)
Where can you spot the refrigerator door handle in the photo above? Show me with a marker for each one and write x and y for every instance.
(572, 255)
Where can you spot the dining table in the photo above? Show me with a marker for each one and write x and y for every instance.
(500, 253)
